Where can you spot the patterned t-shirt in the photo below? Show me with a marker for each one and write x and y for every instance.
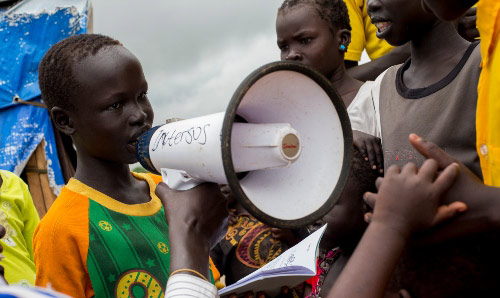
(90, 244)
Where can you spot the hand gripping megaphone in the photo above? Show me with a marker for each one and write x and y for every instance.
(283, 146)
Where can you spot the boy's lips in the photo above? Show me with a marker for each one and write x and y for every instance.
(382, 27)
(131, 145)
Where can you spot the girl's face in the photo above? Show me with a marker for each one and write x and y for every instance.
(399, 21)
(304, 37)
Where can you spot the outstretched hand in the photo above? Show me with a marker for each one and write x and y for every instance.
(483, 203)
(410, 199)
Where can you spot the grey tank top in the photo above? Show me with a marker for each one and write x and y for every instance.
(443, 113)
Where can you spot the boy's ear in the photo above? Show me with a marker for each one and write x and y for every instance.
(344, 37)
(62, 120)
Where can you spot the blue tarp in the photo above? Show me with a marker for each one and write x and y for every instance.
(26, 33)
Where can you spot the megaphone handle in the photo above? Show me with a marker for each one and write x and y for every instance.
(178, 180)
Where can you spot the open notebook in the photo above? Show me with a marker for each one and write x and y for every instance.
(292, 267)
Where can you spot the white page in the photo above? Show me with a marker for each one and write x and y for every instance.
(291, 268)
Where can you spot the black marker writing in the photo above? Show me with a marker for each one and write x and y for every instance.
(196, 134)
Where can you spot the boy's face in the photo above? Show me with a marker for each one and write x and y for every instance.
(304, 37)
(111, 108)
(399, 21)
(346, 219)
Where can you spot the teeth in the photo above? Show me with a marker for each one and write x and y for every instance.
(381, 26)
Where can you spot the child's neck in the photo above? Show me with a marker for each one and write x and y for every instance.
(113, 179)
(346, 86)
(434, 55)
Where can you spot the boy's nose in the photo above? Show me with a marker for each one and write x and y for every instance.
(138, 115)
(294, 56)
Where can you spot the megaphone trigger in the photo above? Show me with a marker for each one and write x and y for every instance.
(179, 180)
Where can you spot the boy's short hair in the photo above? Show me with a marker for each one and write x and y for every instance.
(55, 75)
(334, 12)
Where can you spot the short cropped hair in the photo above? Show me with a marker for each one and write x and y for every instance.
(334, 12)
(55, 76)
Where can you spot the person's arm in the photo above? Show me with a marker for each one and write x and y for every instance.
(197, 220)
(408, 201)
(371, 70)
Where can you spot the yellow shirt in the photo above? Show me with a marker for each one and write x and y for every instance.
(488, 105)
(363, 34)
(19, 217)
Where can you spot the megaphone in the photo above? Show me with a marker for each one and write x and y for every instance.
(284, 146)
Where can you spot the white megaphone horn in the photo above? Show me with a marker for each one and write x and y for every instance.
(283, 146)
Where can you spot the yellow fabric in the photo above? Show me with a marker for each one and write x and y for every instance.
(363, 34)
(145, 209)
(20, 218)
(488, 105)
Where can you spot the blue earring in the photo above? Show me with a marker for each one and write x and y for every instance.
(343, 48)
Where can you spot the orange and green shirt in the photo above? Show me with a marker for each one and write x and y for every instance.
(89, 244)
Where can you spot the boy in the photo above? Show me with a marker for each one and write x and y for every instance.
(106, 234)
(433, 93)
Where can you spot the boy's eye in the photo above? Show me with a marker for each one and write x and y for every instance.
(283, 47)
(143, 95)
(305, 40)
(115, 106)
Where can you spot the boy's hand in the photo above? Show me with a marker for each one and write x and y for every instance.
(409, 199)
(370, 148)
(483, 202)
(200, 211)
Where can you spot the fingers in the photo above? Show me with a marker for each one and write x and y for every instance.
(446, 212)
(378, 182)
(379, 156)
(370, 198)
(361, 147)
(409, 168)
(368, 217)
(430, 150)
(446, 179)
(429, 170)
(371, 155)
(392, 170)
